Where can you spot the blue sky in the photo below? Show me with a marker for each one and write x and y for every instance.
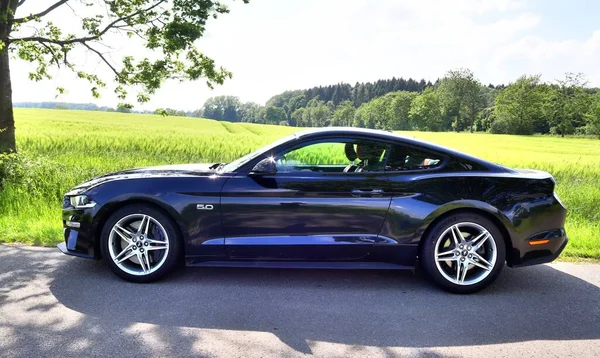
(273, 45)
(565, 19)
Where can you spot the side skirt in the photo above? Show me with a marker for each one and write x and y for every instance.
(300, 265)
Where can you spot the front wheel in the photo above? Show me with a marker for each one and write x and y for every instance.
(463, 253)
(140, 243)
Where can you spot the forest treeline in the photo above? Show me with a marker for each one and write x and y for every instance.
(457, 102)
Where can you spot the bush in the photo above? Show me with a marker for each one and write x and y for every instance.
(11, 168)
(499, 127)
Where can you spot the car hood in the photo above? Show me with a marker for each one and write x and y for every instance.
(149, 172)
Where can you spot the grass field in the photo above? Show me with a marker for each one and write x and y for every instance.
(64, 148)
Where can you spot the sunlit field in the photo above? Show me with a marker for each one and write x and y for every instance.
(64, 148)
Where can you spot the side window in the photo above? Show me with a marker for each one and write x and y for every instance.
(334, 156)
(405, 158)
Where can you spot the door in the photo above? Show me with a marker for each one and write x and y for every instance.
(324, 202)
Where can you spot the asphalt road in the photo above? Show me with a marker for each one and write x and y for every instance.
(55, 305)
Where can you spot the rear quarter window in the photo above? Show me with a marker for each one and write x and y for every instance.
(404, 158)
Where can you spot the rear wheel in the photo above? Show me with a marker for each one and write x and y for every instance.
(463, 253)
(140, 243)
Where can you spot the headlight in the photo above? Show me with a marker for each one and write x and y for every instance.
(82, 202)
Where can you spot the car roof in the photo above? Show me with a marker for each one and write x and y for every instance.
(389, 135)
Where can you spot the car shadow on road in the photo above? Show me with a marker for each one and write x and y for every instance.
(373, 308)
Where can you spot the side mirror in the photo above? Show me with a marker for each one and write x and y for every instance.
(265, 167)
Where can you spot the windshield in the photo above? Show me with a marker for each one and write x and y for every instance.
(236, 164)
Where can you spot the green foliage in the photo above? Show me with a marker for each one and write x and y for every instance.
(274, 115)
(519, 107)
(593, 117)
(461, 97)
(168, 27)
(343, 116)
(425, 112)
(397, 112)
(223, 108)
(11, 168)
(567, 104)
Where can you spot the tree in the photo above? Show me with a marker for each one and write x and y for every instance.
(222, 108)
(519, 106)
(425, 112)
(593, 117)
(365, 116)
(398, 108)
(567, 104)
(124, 108)
(343, 115)
(166, 27)
(298, 118)
(249, 112)
(274, 115)
(321, 115)
(461, 98)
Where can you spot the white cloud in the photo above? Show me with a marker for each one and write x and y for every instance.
(273, 45)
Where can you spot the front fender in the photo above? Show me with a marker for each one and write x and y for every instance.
(180, 198)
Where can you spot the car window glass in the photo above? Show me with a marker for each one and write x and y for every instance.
(405, 158)
(334, 156)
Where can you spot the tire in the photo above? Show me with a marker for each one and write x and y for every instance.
(140, 243)
(479, 248)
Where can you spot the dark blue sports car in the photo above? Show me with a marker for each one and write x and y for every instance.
(335, 198)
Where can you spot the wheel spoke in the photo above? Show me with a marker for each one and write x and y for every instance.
(457, 235)
(461, 271)
(154, 248)
(487, 268)
(446, 256)
(484, 261)
(464, 272)
(481, 242)
(474, 241)
(124, 255)
(451, 252)
(146, 257)
(141, 258)
(123, 233)
(152, 241)
(144, 225)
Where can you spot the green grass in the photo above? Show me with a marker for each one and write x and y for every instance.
(64, 148)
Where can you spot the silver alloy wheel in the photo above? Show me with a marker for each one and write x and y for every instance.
(138, 244)
(465, 253)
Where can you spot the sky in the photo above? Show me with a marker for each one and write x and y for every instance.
(275, 45)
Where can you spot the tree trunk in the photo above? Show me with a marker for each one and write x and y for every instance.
(7, 119)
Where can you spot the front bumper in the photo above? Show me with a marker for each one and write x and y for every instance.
(78, 232)
(63, 248)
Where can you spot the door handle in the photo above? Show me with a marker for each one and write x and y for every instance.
(367, 192)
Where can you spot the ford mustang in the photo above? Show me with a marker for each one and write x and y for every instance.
(334, 198)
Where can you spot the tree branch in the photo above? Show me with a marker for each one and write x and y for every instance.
(20, 3)
(82, 40)
(54, 57)
(40, 14)
(101, 55)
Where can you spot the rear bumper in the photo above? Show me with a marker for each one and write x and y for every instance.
(544, 253)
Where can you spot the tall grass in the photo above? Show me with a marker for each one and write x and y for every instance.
(63, 148)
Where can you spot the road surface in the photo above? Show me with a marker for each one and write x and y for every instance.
(55, 305)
